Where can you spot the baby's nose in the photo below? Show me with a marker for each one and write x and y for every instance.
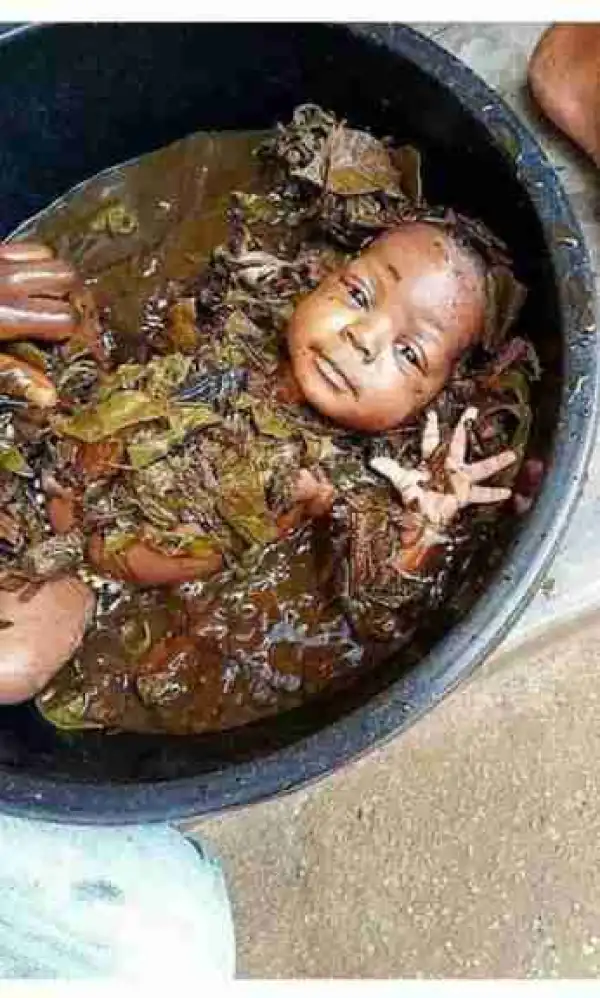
(369, 336)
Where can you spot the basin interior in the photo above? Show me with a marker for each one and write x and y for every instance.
(79, 98)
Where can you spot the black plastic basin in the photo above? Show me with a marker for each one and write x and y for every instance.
(77, 98)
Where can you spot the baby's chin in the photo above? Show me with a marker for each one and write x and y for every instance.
(348, 411)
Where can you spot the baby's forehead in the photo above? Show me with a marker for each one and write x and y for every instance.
(416, 249)
(428, 240)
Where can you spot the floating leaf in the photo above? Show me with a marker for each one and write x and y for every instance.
(115, 219)
(13, 461)
(515, 383)
(182, 330)
(505, 297)
(358, 163)
(112, 415)
(66, 711)
(143, 453)
(407, 160)
(126, 377)
(242, 505)
(136, 637)
(164, 374)
(183, 420)
(270, 423)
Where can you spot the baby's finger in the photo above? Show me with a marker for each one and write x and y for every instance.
(27, 251)
(481, 470)
(458, 444)
(483, 495)
(37, 319)
(45, 277)
(439, 508)
(404, 480)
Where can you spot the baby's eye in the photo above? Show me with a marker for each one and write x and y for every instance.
(408, 353)
(357, 292)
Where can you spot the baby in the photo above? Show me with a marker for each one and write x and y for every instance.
(370, 348)
(376, 342)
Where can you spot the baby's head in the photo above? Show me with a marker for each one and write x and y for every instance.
(378, 339)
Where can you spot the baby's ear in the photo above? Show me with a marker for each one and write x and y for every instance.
(504, 299)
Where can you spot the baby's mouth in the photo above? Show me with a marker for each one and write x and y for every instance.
(333, 374)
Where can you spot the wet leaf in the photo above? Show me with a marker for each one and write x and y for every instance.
(119, 540)
(54, 555)
(358, 163)
(126, 377)
(164, 374)
(118, 412)
(515, 383)
(143, 453)
(65, 711)
(115, 219)
(241, 503)
(136, 637)
(186, 419)
(271, 423)
(505, 297)
(182, 330)
(407, 160)
(183, 420)
(13, 461)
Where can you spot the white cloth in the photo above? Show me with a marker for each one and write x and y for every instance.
(127, 903)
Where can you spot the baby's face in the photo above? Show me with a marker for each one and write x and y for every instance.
(377, 340)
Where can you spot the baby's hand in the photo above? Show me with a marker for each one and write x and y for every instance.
(34, 294)
(439, 508)
(312, 496)
(313, 491)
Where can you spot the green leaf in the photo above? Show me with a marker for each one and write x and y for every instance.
(270, 423)
(183, 420)
(115, 219)
(13, 461)
(126, 376)
(242, 505)
(165, 374)
(110, 416)
(66, 712)
(117, 541)
(145, 452)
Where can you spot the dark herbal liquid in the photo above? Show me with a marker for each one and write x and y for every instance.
(249, 643)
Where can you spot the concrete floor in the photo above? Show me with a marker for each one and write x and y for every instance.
(467, 847)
